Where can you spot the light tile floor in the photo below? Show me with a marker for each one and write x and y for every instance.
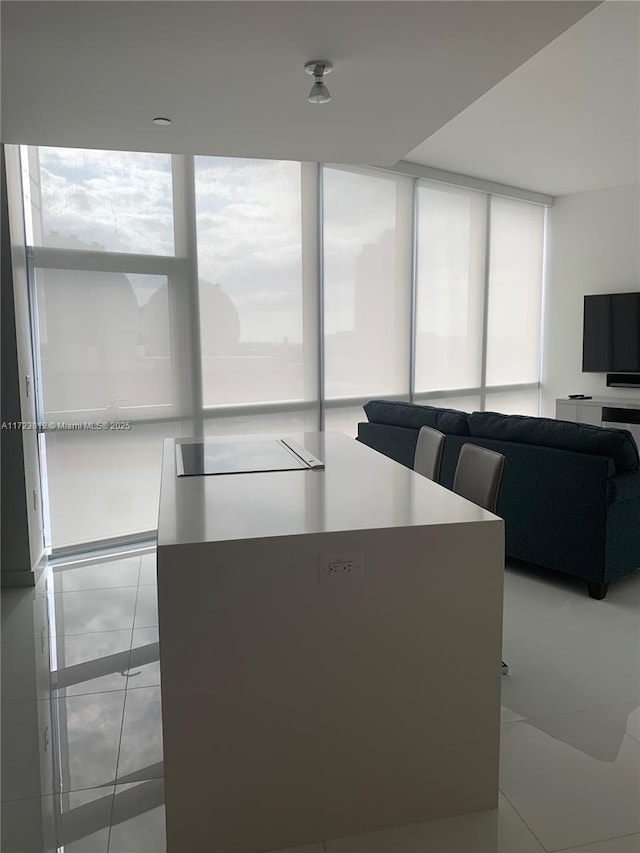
(81, 720)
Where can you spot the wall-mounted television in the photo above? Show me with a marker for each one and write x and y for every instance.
(611, 333)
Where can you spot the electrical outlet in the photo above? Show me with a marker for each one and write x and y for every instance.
(339, 568)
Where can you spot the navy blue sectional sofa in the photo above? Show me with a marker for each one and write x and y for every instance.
(570, 495)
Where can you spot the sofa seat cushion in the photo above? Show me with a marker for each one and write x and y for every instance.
(618, 444)
(411, 416)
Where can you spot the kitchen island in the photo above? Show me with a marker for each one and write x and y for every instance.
(325, 637)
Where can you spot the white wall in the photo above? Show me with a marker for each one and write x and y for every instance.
(594, 247)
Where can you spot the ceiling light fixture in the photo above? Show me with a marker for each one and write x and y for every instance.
(319, 93)
(162, 122)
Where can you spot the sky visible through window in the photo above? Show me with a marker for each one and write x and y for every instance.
(105, 201)
(248, 219)
(249, 223)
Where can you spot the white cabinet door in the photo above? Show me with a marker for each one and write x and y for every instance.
(566, 411)
(589, 415)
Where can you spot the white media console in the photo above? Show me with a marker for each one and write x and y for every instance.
(602, 411)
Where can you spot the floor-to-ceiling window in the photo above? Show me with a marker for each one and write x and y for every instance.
(516, 254)
(367, 239)
(175, 295)
(479, 262)
(257, 363)
(108, 292)
(450, 284)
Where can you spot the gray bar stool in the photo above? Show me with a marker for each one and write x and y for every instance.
(428, 457)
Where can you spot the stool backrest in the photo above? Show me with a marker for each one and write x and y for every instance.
(478, 475)
(428, 456)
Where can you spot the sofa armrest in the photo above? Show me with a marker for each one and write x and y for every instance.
(623, 487)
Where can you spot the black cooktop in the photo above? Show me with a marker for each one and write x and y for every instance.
(243, 457)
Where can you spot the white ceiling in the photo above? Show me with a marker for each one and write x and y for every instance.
(230, 76)
(565, 121)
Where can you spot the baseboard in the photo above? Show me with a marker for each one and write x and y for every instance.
(27, 577)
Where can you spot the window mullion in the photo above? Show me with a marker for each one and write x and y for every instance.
(321, 300)
(184, 294)
(310, 177)
(485, 307)
(45, 257)
(414, 293)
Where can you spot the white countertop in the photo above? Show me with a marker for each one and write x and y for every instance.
(358, 489)
(612, 402)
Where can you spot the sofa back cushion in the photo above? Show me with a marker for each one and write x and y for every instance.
(618, 444)
(411, 416)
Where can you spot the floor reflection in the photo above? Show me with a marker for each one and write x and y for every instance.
(82, 759)
(126, 818)
(81, 722)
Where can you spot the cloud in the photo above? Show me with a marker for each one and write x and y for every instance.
(106, 200)
(249, 225)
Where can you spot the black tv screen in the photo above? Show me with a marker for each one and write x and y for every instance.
(611, 333)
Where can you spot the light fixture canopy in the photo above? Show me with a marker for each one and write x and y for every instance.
(162, 121)
(319, 93)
